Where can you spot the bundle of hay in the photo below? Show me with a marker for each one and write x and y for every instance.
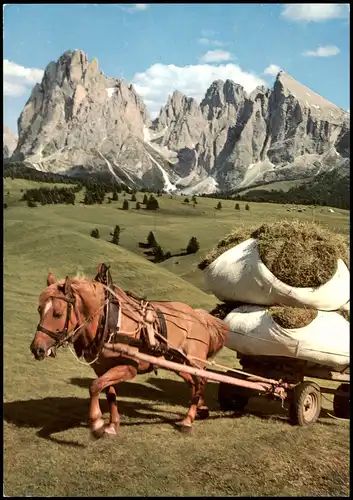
(294, 263)
(299, 253)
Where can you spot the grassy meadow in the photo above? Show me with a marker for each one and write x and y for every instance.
(47, 447)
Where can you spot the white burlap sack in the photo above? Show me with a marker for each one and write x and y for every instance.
(324, 341)
(239, 275)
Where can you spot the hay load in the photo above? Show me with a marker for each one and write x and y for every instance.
(258, 331)
(293, 263)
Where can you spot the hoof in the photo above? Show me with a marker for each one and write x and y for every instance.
(97, 428)
(203, 412)
(111, 430)
(185, 428)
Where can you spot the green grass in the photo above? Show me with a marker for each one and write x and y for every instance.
(48, 450)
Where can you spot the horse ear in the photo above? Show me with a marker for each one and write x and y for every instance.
(50, 279)
(67, 286)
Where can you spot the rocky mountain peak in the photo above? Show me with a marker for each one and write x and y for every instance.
(78, 120)
(9, 142)
(219, 95)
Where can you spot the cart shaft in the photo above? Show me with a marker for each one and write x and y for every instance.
(209, 375)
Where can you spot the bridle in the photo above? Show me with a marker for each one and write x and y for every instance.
(63, 335)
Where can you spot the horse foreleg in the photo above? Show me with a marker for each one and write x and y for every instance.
(114, 420)
(110, 378)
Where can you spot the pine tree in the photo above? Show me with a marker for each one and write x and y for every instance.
(115, 196)
(186, 200)
(116, 235)
(95, 233)
(125, 205)
(151, 240)
(193, 245)
(145, 199)
(247, 207)
(194, 200)
(138, 206)
(158, 254)
(152, 203)
(219, 206)
(133, 197)
(237, 206)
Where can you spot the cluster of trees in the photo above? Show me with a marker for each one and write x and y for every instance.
(151, 203)
(193, 200)
(160, 255)
(237, 206)
(325, 189)
(48, 196)
(94, 194)
(18, 170)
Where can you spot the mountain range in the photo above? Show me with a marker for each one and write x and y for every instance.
(78, 121)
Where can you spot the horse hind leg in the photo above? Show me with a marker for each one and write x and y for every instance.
(202, 410)
(197, 406)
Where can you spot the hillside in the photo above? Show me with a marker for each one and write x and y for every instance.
(46, 403)
(329, 188)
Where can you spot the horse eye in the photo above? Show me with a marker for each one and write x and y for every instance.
(57, 315)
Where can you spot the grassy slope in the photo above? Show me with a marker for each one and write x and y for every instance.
(277, 185)
(47, 446)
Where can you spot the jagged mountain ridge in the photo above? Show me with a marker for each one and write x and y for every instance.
(79, 121)
(9, 142)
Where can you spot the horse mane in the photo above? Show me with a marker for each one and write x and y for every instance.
(217, 329)
(88, 290)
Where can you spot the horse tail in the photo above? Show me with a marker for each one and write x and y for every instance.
(217, 330)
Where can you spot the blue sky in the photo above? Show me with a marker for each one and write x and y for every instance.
(163, 47)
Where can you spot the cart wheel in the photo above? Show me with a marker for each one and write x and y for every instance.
(231, 398)
(341, 401)
(305, 406)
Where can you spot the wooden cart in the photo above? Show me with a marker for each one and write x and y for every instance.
(278, 378)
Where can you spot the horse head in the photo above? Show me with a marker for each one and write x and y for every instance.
(68, 309)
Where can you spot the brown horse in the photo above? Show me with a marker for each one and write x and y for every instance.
(89, 314)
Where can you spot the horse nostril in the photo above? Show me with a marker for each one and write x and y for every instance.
(40, 351)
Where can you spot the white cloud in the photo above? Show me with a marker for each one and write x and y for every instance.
(159, 80)
(315, 12)
(208, 41)
(213, 56)
(272, 70)
(325, 51)
(206, 33)
(137, 7)
(19, 80)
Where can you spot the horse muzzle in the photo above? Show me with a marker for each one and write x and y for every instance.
(40, 352)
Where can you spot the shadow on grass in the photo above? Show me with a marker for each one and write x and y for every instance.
(56, 414)
(175, 392)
